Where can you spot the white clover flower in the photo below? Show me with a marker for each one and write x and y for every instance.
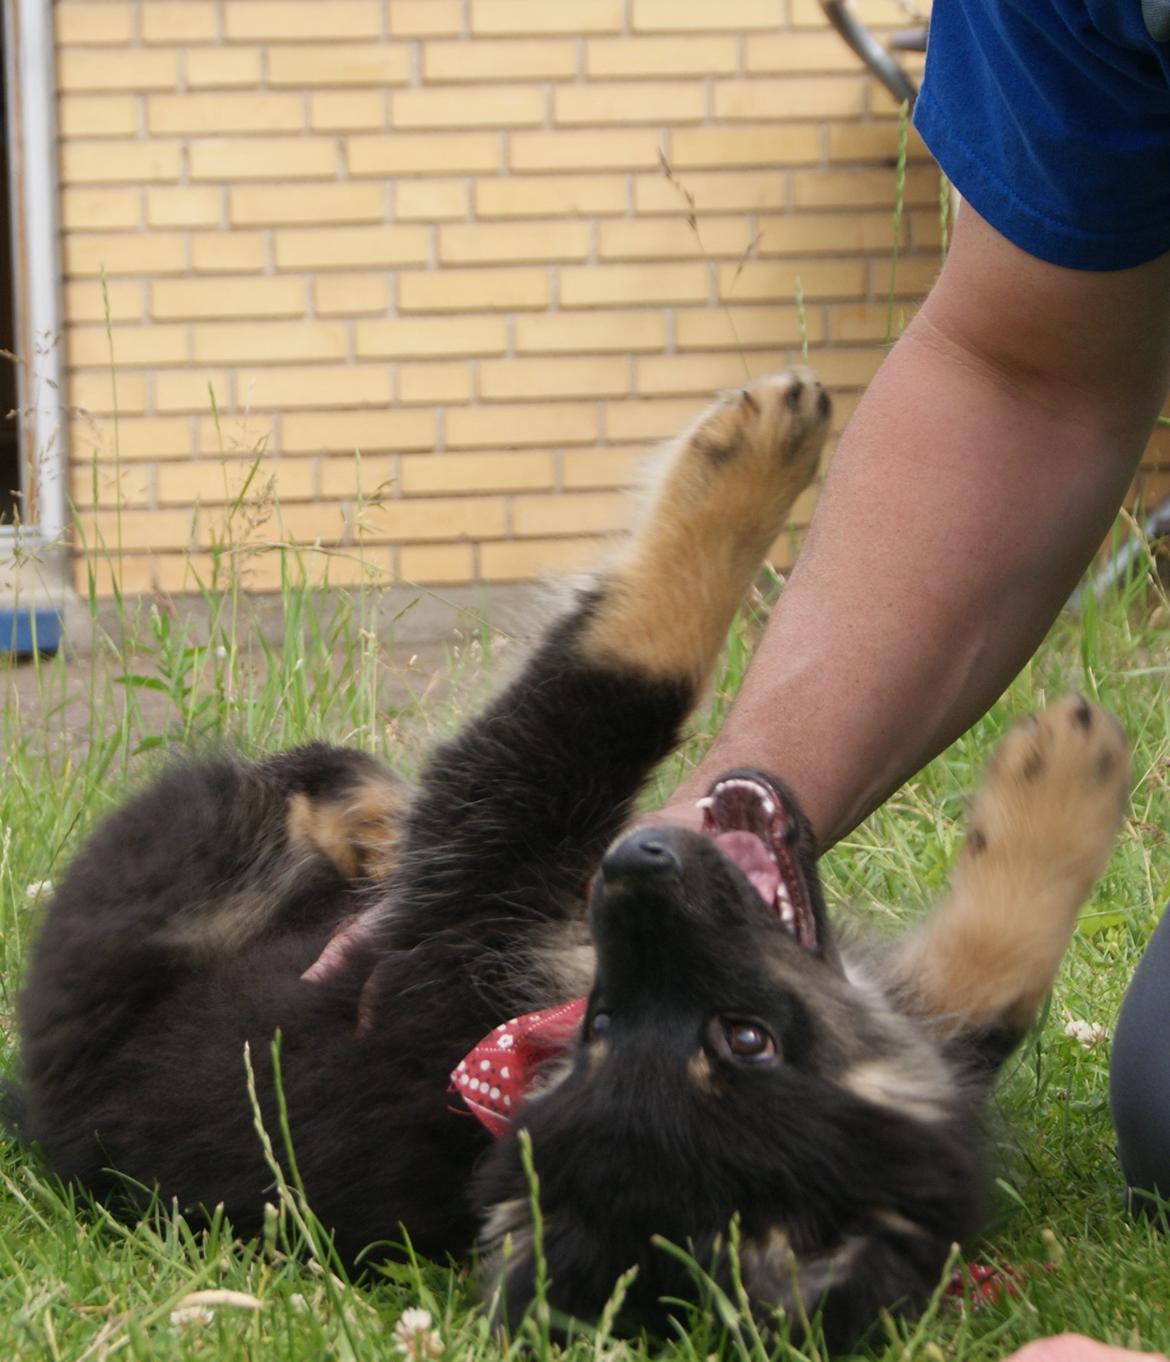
(414, 1337)
(38, 889)
(1085, 1033)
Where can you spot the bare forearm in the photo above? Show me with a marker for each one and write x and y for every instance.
(963, 503)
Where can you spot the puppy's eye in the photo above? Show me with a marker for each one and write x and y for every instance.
(747, 1041)
(598, 1025)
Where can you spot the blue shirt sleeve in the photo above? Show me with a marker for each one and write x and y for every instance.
(1052, 118)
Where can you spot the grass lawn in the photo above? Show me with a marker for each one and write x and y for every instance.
(75, 1284)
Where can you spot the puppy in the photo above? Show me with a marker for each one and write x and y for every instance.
(712, 1053)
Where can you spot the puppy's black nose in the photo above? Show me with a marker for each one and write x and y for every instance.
(641, 855)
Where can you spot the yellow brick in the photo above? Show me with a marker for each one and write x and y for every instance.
(667, 238)
(97, 115)
(301, 20)
(138, 529)
(435, 518)
(424, 18)
(308, 203)
(864, 322)
(430, 200)
(178, 21)
(925, 228)
(582, 333)
(523, 560)
(155, 437)
(120, 162)
(363, 479)
(649, 418)
(711, 192)
(862, 188)
(873, 142)
(846, 367)
(89, 347)
(527, 379)
(229, 252)
(200, 298)
(792, 97)
(524, 59)
(90, 209)
(87, 301)
(613, 285)
(221, 434)
(84, 24)
(434, 382)
(263, 158)
(671, 16)
(588, 468)
(343, 432)
(316, 387)
(192, 390)
(473, 290)
(224, 113)
(887, 13)
(636, 102)
(131, 575)
(115, 486)
(222, 68)
(503, 106)
(375, 64)
(420, 153)
(662, 375)
(913, 277)
(585, 150)
(184, 207)
(495, 471)
(343, 110)
(305, 524)
(745, 327)
(806, 233)
(781, 53)
(129, 69)
(766, 146)
(347, 295)
(585, 513)
(406, 338)
(546, 423)
(436, 563)
(486, 243)
(511, 196)
(268, 342)
(120, 253)
(215, 482)
(524, 17)
(346, 247)
(688, 56)
(760, 281)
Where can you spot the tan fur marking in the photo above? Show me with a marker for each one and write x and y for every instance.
(357, 832)
(898, 1224)
(700, 1072)
(725, 495)
(902, 1089)
(1048, 813)
(227, 927)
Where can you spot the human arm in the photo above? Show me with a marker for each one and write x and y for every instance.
(981, 471)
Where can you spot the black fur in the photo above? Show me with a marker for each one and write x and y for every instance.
(140, 1000)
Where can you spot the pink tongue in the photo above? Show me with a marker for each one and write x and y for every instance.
(750, 854)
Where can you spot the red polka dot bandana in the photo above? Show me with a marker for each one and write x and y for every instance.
(494, 1077)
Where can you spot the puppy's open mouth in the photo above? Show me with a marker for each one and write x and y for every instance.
(753, 827)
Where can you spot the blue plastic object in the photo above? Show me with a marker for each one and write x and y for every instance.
(25, 632)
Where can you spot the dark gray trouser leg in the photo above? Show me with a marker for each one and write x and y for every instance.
(1139, 1070)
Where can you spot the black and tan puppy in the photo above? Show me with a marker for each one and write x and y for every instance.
(734, 1058)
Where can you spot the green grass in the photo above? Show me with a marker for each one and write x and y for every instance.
(75, 1284)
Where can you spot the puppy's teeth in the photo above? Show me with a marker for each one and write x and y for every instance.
(707, 802)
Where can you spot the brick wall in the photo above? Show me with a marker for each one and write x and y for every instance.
(501, 247)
